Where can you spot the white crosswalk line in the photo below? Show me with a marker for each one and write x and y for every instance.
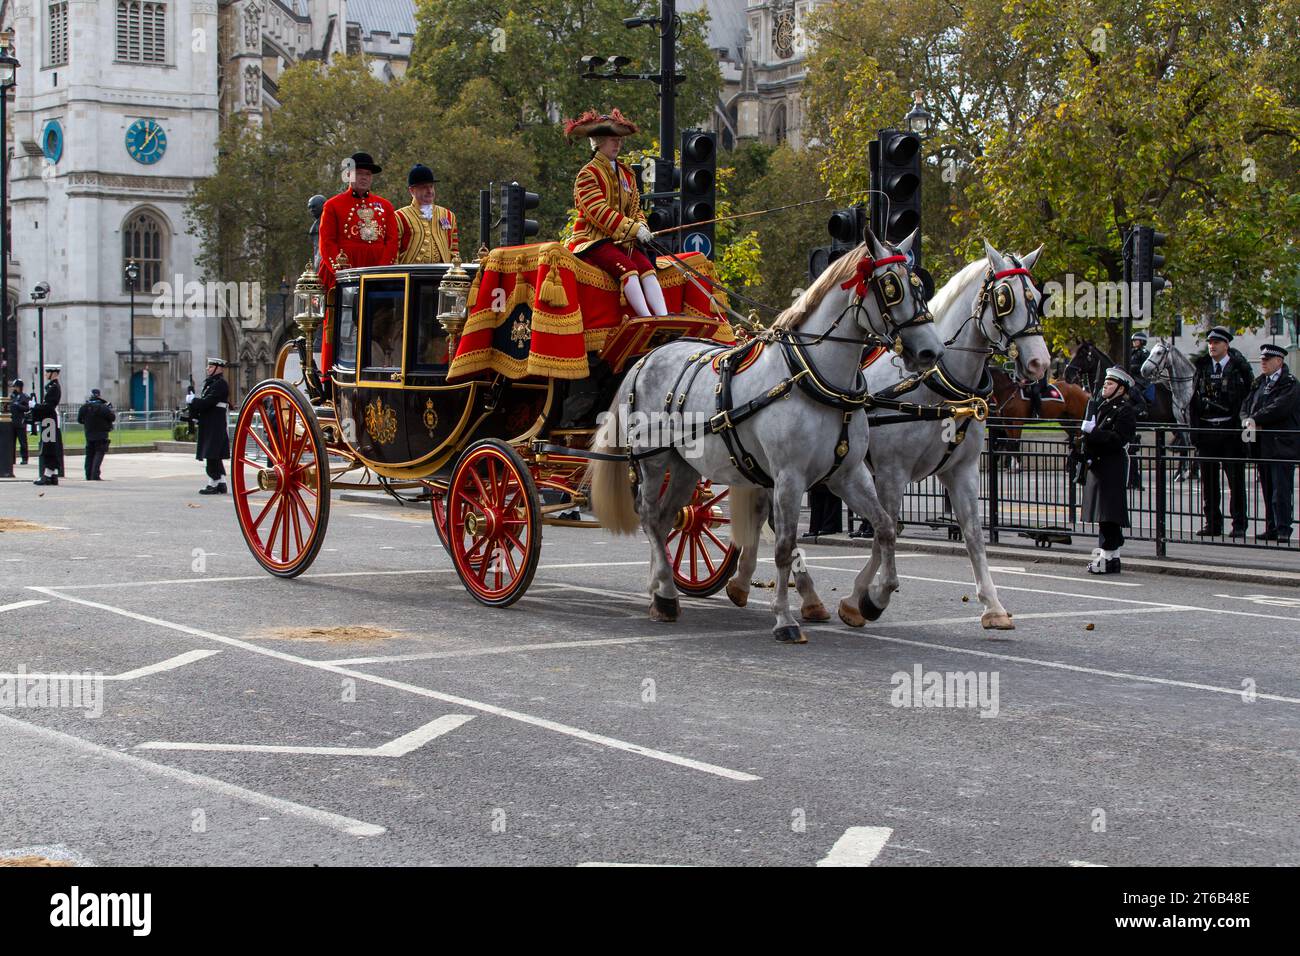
(859, 846)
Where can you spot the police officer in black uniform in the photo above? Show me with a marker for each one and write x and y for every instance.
(20, 404)
(1222, 382)
(209, 410)
(1273, 407)
(46, 417)
(1137, 357)
(1108, 427)
(96, 417)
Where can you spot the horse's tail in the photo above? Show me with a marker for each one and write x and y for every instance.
(612, 497)
(745, 518)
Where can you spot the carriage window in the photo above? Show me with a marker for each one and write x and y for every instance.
(430, 336)
(382, 310)
(346, 353)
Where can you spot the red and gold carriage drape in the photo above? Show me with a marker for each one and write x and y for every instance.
(538, 310)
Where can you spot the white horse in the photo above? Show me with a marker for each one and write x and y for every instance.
(792, 418)
(1168, 366)
(990, 306)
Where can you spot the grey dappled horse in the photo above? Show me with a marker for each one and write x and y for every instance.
(1168, 366)
(987, 307)
(795, 418)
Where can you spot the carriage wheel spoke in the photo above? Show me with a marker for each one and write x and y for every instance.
(714, 538)
(681, 544)
(275, 525)
(708, 562)
(482, 492)
(268, 413)
(265, 508)
(260, 444)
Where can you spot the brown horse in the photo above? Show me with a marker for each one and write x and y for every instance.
(1008, 402)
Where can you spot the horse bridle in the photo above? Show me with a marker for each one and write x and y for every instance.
(996, 293)
(887, 290)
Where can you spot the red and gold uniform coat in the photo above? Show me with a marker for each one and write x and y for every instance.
(363, 228)
(608, 202)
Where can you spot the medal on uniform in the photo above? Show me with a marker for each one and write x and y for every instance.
(369, 229)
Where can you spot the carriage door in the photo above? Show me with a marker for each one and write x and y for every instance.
(381, 344)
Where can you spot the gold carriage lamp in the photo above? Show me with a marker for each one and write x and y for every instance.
(453, 302)
(308, 303)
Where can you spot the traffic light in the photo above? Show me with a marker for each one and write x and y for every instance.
(665, 210)
(699, 190)
(896, 173)
(515, 202)
(1141, 262)
(847, 228)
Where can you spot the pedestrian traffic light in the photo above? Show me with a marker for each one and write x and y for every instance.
(516, 201)
(699, 190)
(896, 187)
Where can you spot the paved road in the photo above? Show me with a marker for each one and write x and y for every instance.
(570, 729)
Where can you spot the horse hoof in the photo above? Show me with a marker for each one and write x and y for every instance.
(869, 610)
(790, 635)
(664, 610)
(739, 596)
(850, 616)
(997, 621)
(815, 612)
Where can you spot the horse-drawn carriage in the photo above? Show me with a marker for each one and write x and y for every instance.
(444, 386)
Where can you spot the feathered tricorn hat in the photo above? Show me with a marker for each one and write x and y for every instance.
(592, 123)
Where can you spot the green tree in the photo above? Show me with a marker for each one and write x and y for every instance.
(529, 52)
(252, 214)
(1065, 122)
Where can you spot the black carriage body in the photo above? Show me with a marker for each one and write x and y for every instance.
(396, 410)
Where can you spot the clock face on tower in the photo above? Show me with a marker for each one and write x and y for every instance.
(146, 141)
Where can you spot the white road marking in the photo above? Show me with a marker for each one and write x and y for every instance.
(638, 865)
(180, 660)
(1087, 597)
(334, 574)
(517, 648)
(859, 846)
(1058, 665)
(612, 742)
(1086, 863)
(1062, 577)
(311, 814)
(414, 519)
(1270, 600)
(399, 747)
(20, 604)
(1033, 615)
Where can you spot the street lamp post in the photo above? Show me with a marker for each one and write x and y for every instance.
(919, 120)
(132, 272)
(8, 80)
(39, 295)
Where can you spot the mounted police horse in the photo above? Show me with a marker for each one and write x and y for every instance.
(792, 418)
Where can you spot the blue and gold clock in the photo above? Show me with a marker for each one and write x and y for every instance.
(146, 141)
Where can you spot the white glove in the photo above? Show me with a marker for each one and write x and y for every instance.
(644, 235)
(1088, 426)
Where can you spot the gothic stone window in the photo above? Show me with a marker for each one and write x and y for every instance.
(143, 239)
(141, 31)
(56, 53)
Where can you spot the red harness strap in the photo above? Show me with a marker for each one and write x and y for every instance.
(865, 269)
(1021, 271)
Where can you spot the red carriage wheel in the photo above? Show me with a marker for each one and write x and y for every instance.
(438, 506)
(280, 477)
(699, 548)
(493, 523)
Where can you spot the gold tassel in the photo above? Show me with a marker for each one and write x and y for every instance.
(552, 291)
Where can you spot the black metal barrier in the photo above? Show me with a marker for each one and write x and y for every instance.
(1028, 489)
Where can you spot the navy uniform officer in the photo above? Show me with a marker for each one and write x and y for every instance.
(209, 410)
(1273, 407)
(1109, 426)
(46, 417)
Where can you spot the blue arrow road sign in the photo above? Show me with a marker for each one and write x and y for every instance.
(697, 242)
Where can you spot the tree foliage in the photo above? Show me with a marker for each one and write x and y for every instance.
(529, 51)
(252, 214)
(1066, 121)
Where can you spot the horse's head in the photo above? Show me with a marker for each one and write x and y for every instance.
(1080, 367)
(894, 306)
(1009, 312)
(1156, 368)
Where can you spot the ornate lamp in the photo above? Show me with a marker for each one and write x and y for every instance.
(919, 119)
(308, 303)
(453, 303)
